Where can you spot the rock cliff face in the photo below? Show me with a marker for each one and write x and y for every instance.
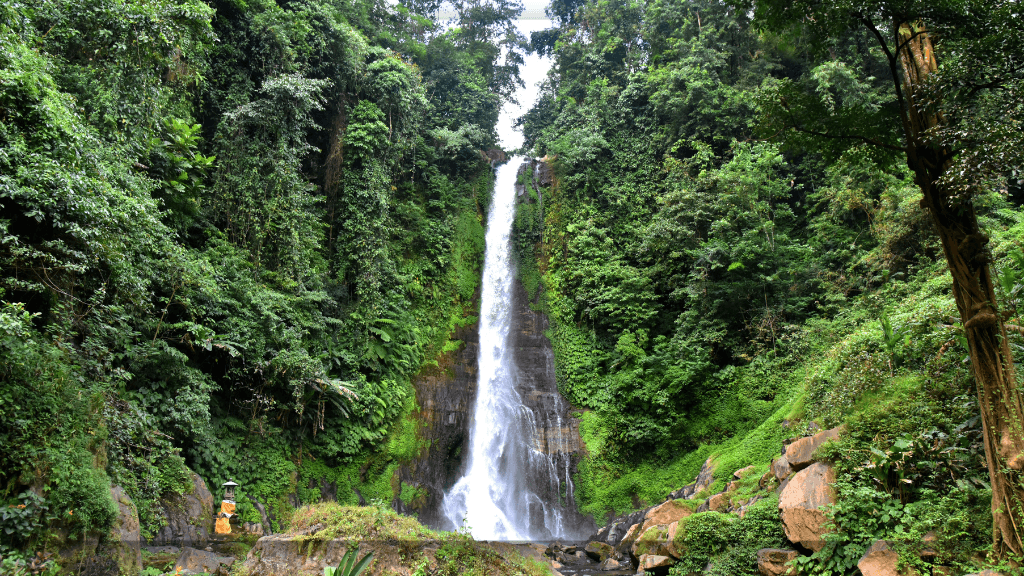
(445, 396)
(556, 432)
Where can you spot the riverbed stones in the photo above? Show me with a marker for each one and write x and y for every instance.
(800, 454)
(772, 562)
(611, 564)
(799, 503)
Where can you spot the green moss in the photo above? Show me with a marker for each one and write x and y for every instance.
(650, 541)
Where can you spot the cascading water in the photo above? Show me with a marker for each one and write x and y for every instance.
(514, 481)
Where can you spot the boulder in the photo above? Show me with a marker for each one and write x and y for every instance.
(800, 454)
(616, 529)
(799, 503)
(625, 546)
(772, 561)
(124, 542)
(670, 545)
(667, 513)
(611, 564)
(655, 563)
(781, 468)
(719, 502)
(768, 477)
(188, 518)
(881, 560)
(194, 561)
(599, 551)
(653, 541)
(615, 533)
(743, 472)
(705, 477)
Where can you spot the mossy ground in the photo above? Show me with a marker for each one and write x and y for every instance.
(401, 545)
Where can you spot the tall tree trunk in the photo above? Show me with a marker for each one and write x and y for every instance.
(964, 245)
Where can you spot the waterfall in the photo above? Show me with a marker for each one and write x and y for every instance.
(515, 479)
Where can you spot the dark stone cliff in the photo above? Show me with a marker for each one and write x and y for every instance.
(445, 396)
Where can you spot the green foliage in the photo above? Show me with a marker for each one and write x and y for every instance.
(348, 565)
(23, 521)
(232, 255)
(699, 537)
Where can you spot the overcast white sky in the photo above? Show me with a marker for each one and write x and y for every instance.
(533, 71)
(533, 9)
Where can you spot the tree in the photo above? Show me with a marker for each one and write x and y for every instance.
(949, 64)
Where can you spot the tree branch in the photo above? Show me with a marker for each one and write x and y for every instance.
(864, 139)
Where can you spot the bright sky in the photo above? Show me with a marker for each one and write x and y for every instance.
(533, 9)
(533, 72)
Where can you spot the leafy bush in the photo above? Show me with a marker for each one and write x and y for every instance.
(699, 538)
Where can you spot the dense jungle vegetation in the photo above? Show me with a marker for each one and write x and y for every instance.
(232, 232)
(735, 244)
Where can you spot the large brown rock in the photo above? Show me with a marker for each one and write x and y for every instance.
(188, 518)
(772, 562)
(719, 502)
(881, 560)
(670, 545)
(655, 563)
(800, 454)
(799, 503)
(667, 513)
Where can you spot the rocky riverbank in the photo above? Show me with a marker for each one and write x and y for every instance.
(691, 521)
